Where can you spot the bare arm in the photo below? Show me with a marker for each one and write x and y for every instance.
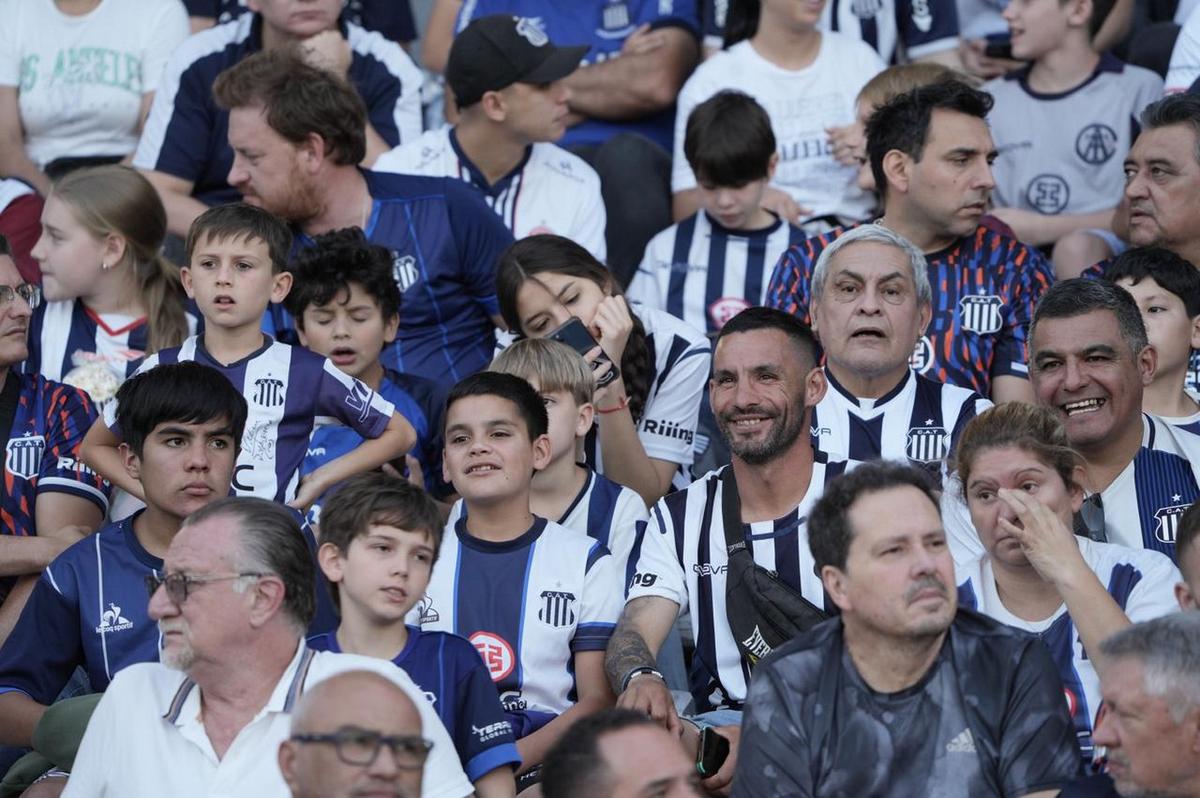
(1115, 27)
(19, 716)
(594, 696)
(197, 24)
(13, 160)
(498, 783)
(14, 604)
(439, 33)
(1011, 389)
(100, 450)
(625, 459)
(644, 79)
(1039, 228)
(396, 439)
(376, 146)
(176, 195)
(644, 625)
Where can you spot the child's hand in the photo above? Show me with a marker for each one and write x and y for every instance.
(848, 143)
(307, 492)
(781, 203)
(328, 50)
(612, 325)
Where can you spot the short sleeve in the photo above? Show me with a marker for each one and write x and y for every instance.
(1031, 276)
(788, 287)
(351, 402)
(170, 28)
(44, 647)
(481, 237)
(927, 26)
(1184, 68)
(628, 516)
(483, 735)
(61, 469)
(657, 570)
(178, 131)
(1038, 748)
(102, 739)
(644, 288)
(1154, 594)
(601, 604)
(389, 83)
(111, 407)
(773, 750)
(667, 427)
(588, 227)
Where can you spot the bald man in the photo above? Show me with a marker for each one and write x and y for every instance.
(355, 733)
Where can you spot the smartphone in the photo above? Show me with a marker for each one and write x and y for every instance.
(575, 335)
(999, 45)
(713, 750)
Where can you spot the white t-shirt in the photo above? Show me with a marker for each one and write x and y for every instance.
(802, 104)
(1184, 68)
(80, 80)
(550, 190)
(146, 737)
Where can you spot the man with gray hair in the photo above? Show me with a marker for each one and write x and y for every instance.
(232, 603)
(870, 305)
(1089, 360)
(1149, 724)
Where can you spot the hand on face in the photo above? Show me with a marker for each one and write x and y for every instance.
(328, 50)
(611, 325)
(1047, 543)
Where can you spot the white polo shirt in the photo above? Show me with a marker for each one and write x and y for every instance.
(146, 736)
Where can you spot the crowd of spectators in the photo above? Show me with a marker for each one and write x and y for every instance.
(638, 397)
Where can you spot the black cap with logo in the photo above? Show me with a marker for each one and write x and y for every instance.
(497, 51)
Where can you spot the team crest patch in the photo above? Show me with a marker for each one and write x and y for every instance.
(1168, 521)
(496, 652)
(530, 29)
(615, 15)
(922, 16)
(558, 608)
(922, 355)
(23, 456)
(404, 271)
(927, 444)
(980, 314)
(725, 309)
(268, 392)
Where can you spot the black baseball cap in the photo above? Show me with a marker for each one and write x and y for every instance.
(497, 51)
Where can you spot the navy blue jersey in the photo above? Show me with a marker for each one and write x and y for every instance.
(603, 25)
(985, 288)
(186, 134)
(448, 669)
(41, 454)
(704, 273)
(445, 244)
(392, 18)
(60, 330)
(528, 606)
(290, 392)
(420, 401)
(88, 609)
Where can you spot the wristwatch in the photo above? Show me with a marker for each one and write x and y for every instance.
(638, 671)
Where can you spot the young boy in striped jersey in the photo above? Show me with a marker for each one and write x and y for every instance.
(710, 266)
(539, 601)
(236, 268)
(379, 542)
(566, 489)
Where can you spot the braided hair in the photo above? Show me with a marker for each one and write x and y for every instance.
(537, 254)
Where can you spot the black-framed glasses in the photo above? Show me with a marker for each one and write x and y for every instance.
(32, 294)
(356, 746)
(178, 585)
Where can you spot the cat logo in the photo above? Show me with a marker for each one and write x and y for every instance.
(980, 314)
(1168, 521)
(927, 444)
(23, 456)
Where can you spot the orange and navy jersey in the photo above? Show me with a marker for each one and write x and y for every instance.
(985, 288)
(41, 454)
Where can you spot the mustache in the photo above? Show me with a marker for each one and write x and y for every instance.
(926, 583)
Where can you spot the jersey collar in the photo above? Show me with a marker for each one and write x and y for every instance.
(876, 403)
(477, 179)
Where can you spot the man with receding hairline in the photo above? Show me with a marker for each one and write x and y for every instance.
(355, 733)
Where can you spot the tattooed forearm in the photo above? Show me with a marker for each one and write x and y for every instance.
(627, 648)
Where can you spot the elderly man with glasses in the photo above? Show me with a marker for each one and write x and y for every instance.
(237, 594)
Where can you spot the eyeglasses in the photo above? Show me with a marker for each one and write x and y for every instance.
(32, 294)
(1089, 521)
(178, 585)
(360, 747)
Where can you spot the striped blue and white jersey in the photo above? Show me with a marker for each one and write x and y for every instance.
(1143, 505)
(919, 420)
(290, 392)
(186, 134)
(60, 330)
(1186, 423)
(1141, 582)
(88, 609)
(679, 559)
(603, 510)
(550, 191)
(704, 273)
(682, 361)
(528, 605)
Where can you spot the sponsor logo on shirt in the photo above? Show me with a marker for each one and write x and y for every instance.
(667, 429)
(927, 444)
(23, 455)
(1168, 520)
(980, 314)
(512, 701)
(643, 580)
(491, 731)
(425, 610)
(963, 743)
(922, 17)
(111, 620)
(558, 608)
(1096, 143)
(922, 356)
(1072, 701)
(359, 399)
(756, 646)
(1048, 194)
(704, 570)
(497, 654)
